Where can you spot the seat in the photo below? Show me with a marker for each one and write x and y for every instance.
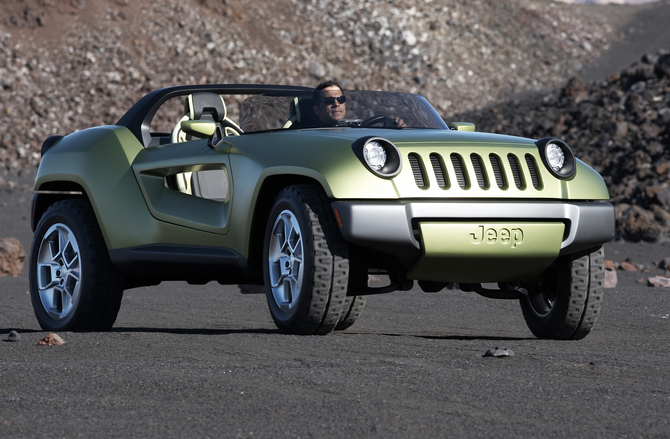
(301, 114)
(206, 106)
(294, 112)
(211, 184)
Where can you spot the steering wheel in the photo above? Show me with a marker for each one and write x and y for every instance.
(374, 120)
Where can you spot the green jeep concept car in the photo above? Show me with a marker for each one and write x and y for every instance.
(259, 192)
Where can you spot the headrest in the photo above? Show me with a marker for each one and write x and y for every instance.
(205, 103)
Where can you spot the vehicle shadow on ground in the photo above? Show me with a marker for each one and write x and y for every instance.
(19, 330)
(472, 337)
(197, 331)
(445, 337)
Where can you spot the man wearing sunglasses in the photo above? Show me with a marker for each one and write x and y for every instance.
(330, 104)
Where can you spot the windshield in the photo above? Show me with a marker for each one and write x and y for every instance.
(273, 111)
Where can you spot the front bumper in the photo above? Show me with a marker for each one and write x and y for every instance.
(394, 227)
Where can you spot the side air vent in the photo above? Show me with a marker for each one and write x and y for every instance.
(516, 173)
(438, 169)
(480, 171)
(532, 169)
(415, 163)
(496, 164)
(461, 177)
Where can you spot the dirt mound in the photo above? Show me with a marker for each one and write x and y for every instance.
(621, 127)
(68, 65)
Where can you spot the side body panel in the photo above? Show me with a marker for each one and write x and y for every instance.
(100, 160)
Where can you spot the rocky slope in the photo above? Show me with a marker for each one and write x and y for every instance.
(66, 66)
(620, 126)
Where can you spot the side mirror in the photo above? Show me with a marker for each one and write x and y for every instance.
(202, 129)
(462, 126)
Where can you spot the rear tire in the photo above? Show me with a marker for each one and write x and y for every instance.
(564, 303)
(353, 307)
(73, 285)
(305, 262)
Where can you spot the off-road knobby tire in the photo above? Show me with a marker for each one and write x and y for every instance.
(577, 286)
(323, 288)
(101, 286)
(353, 307)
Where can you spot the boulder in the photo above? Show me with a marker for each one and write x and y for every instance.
(12, 257)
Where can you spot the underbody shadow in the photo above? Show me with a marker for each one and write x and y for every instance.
(196, 331)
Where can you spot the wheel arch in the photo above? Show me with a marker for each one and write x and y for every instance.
(57, 191)
(269, 190)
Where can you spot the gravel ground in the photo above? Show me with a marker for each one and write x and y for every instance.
(206, 361)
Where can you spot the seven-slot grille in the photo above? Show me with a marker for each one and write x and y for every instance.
(520, 176)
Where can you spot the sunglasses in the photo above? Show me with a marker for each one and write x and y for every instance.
(331, 100)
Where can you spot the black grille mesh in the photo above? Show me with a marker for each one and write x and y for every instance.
(481, 173)
(498, 171)
(514, 164)
(458, 169)
(415, 163)
(440, 176)
(532, 169)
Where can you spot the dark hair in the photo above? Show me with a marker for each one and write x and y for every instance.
(316, 94)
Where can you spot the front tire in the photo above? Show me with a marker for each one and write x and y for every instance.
(564, 303)
(305, 262)
(73, 285)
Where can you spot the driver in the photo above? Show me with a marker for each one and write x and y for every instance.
(329, 104)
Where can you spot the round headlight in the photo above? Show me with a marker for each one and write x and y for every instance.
(555, 157)
(375, 155)
(380, 156)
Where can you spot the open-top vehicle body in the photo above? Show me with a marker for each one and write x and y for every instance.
(263, 195)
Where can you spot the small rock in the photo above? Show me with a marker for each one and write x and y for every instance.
(658, 281)
(610, 265)
(14, 336)
(627, 266)
(499, 352)
(51, 340)
(610, 278)
(664, 264)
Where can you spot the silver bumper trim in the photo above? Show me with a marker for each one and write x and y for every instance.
(388, 226)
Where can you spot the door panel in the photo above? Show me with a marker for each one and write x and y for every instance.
(204, 203)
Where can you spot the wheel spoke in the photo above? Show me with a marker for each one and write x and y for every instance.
(53, 241)
(285, 255)
(48, 275)
(70, 256)
(65, 300)
(58, 271)
(276, 277)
